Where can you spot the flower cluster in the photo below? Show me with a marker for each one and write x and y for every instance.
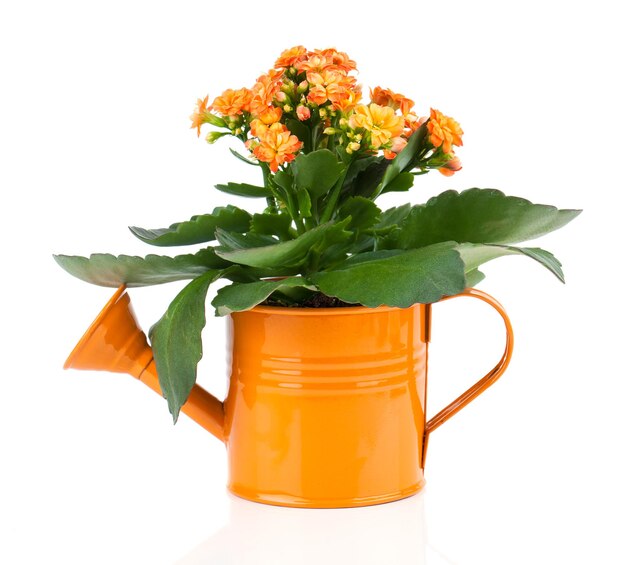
(311, 100)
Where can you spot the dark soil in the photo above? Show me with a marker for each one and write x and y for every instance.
(317, 300)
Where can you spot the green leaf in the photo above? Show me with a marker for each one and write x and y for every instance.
(284, 180)
(107, 270)
(231, 241)
(239, 156)
(243, 296)
(363, 212)
(272, 224)
(316, 172)
(358, 166)
(304, 202)
(177, 343)
(474, 255)
(401, 183)
(476, 216)
(288, 253)
(244, 189)
(392, 217)
(405, 160)
(301, 131)
(367, 180)
(396, 278)
(473, 277)
(199, 229)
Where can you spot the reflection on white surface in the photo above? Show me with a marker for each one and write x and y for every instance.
(260, 534)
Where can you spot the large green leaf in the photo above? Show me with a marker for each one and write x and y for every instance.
(244, 189)
(199, 229)
(272, 224)
(108, 270)
(316, 172)
(289, 253)
(476, 216)
(177, 343)
(237, 296)
(474, 255)
(396, 278)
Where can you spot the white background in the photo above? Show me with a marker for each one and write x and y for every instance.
(94, 136)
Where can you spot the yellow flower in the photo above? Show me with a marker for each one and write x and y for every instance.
(444, 131)
(380, 121)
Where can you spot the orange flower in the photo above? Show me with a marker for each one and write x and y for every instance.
(340, 60)
(335, 86)
(380, 121)
(276, 145)
(289, 57)
(349, 99)
(386, 97)
(199, 116)
(412, 123)
(451, 167)
(314, 62)
(233, 102)
(444, 131)
(271, 115)
(263, 92)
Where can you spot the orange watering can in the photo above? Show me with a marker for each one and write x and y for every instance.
(325, 408)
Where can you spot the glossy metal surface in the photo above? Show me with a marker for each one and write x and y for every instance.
(326, 407)
(114, 342)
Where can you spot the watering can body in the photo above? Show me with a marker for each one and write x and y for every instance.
(325, 407)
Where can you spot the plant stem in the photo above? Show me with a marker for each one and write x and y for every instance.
(271, 200)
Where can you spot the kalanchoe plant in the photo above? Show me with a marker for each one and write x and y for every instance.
(324, 158)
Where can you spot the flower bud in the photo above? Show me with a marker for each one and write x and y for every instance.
(451, 167)
(302, 87)
(213, 136)
(398, 144)
(330, 131)
(303, 113)
(352, 147)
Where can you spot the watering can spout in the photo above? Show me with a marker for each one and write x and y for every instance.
(114, 342)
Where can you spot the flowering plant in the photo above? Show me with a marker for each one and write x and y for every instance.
(325, 157)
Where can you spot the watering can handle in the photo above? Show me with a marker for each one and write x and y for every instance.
(484, 383)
